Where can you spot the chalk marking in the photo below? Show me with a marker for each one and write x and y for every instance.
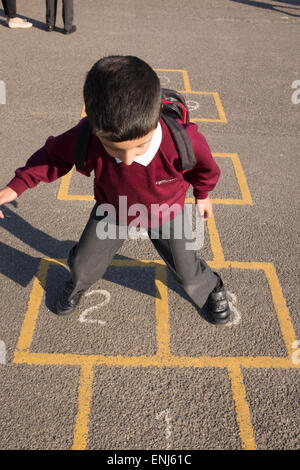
(2, 352)
(2, 92)
(165, 413)
(296, 354)
(192, 105)
(232, 300)
(84, 314)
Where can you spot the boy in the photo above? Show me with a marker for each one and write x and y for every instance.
(133, 155)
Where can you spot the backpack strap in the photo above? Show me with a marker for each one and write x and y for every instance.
(81, 145)
(182, 142)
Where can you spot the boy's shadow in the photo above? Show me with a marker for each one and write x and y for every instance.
(35, 23)
(21, 267)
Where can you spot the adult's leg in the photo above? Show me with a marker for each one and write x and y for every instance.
(10, 8)
(13, 21)
(67, 13)
(192, 273)
(51, 8)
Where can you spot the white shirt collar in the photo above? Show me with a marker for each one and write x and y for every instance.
(146, 158)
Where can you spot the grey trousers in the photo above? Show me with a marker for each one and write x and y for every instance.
(91, 256)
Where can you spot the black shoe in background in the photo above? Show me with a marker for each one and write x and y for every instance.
(71, 30)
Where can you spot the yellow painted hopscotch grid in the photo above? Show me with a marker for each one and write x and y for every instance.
(163, 356)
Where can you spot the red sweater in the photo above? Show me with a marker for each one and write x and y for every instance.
(160, 182)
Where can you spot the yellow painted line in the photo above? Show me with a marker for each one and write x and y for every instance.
(228, 201)
(250, 362)
(220, 201)
(218, 103)
(215, 243)
(185, 77)
(60, 261)
(162, 312)
(240, 175)
(31, 315)
(205, 120)
(151, 263)
(241, 179)
(36, 295)
(64, 186)
(192, 119)
(242, 408)
(84, 404)
(63, 192)
(246, 196)
(282, 311)
(219, 107)
(186, 81)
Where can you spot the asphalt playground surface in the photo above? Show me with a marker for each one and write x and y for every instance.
(137, 366)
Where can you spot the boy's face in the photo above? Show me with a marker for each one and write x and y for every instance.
(127, 150)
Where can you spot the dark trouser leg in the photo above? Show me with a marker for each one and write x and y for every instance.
(67, 13)
(192, 273)
(51, 7)
(10, 8)
(91, 256)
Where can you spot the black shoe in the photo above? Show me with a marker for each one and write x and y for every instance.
(217, 304)
(66, 305)
(71, 30)
(49, 28)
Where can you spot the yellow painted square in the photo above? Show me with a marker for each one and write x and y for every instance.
(180, 75)
(217, 102)
(161, 308)
(246, 198)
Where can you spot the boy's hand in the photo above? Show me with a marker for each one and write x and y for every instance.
(204, 208)
(6, 195)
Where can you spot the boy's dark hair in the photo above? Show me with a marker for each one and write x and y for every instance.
(122, 97)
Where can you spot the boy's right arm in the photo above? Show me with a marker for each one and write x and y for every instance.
(6, 195)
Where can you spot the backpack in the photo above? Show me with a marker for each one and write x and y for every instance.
(173, 107)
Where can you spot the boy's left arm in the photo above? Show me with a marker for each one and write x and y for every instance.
(205, 174)
(204, 208)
